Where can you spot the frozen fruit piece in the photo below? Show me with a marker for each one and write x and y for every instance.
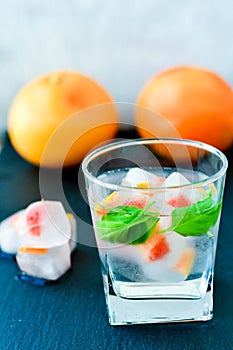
(45, 225)
(33, 218)
(185, 262)
(9, 233)
(110, 201)
(139, 203)
(119, 198)
(100, 210)
(137, 177)
(31, 250)
(159, 249)
(145, 185)
(179, 201)
(112, 198)
(156, 247)
(213, 188)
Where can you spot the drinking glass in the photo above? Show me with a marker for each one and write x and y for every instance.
(156, 206)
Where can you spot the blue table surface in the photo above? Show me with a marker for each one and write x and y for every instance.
(72, 314)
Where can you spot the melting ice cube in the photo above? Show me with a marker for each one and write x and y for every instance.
(161, 253)
(46, 263)
(137, 177)
(9, 232)
(163, 269)
(142, 179)
(43, 236)
(176, 179)
(176, 197)
(45, 225)
(45, 240)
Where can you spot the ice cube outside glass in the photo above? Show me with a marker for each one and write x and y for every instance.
(155, 207)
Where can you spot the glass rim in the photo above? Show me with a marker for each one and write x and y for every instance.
(146, 141)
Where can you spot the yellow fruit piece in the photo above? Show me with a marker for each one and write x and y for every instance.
(70, 216)
(214, 189)
(31, 250)
(202, 191)
(211, 186)
(185, 262)
(112, 198)
(143, 185)
(99, 210)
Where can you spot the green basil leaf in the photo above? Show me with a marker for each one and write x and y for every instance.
(196, 219)
(127, 225)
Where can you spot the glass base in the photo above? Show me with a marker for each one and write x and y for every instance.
(122, 311)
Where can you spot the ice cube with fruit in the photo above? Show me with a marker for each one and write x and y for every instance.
(42, 237)
(152, 221)
(9, 233)
(11, 227)
(45, 235)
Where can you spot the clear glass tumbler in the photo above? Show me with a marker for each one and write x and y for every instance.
(155, 206)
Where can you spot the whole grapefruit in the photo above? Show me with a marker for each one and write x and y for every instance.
(189, 102)
(47, 104)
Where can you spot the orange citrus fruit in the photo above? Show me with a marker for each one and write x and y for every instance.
(191, 102)
(46, 104)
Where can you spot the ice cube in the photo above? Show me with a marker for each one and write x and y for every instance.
(45, 225)
(166, 199)
(161, 253)
(137, 177)
(74, 232)
(165, 222)
(162, 269)
(176, 179)
(177, 244)
(143, 180)
(182, 196)
(124, 252)
(47, 263)
(9, 232)
(159, 272)
(123, 269)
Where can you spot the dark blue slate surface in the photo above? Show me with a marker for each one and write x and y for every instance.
(72, 314)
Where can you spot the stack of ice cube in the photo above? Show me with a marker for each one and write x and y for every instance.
(42, 236)
(167, 194)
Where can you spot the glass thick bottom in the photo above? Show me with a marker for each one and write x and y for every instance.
(126, 311)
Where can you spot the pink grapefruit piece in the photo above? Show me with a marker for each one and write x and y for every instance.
(33, 219)
(156, 247)
(179, 201)
(45, 224)
(139, 203)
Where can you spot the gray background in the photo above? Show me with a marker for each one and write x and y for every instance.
(119, 43)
